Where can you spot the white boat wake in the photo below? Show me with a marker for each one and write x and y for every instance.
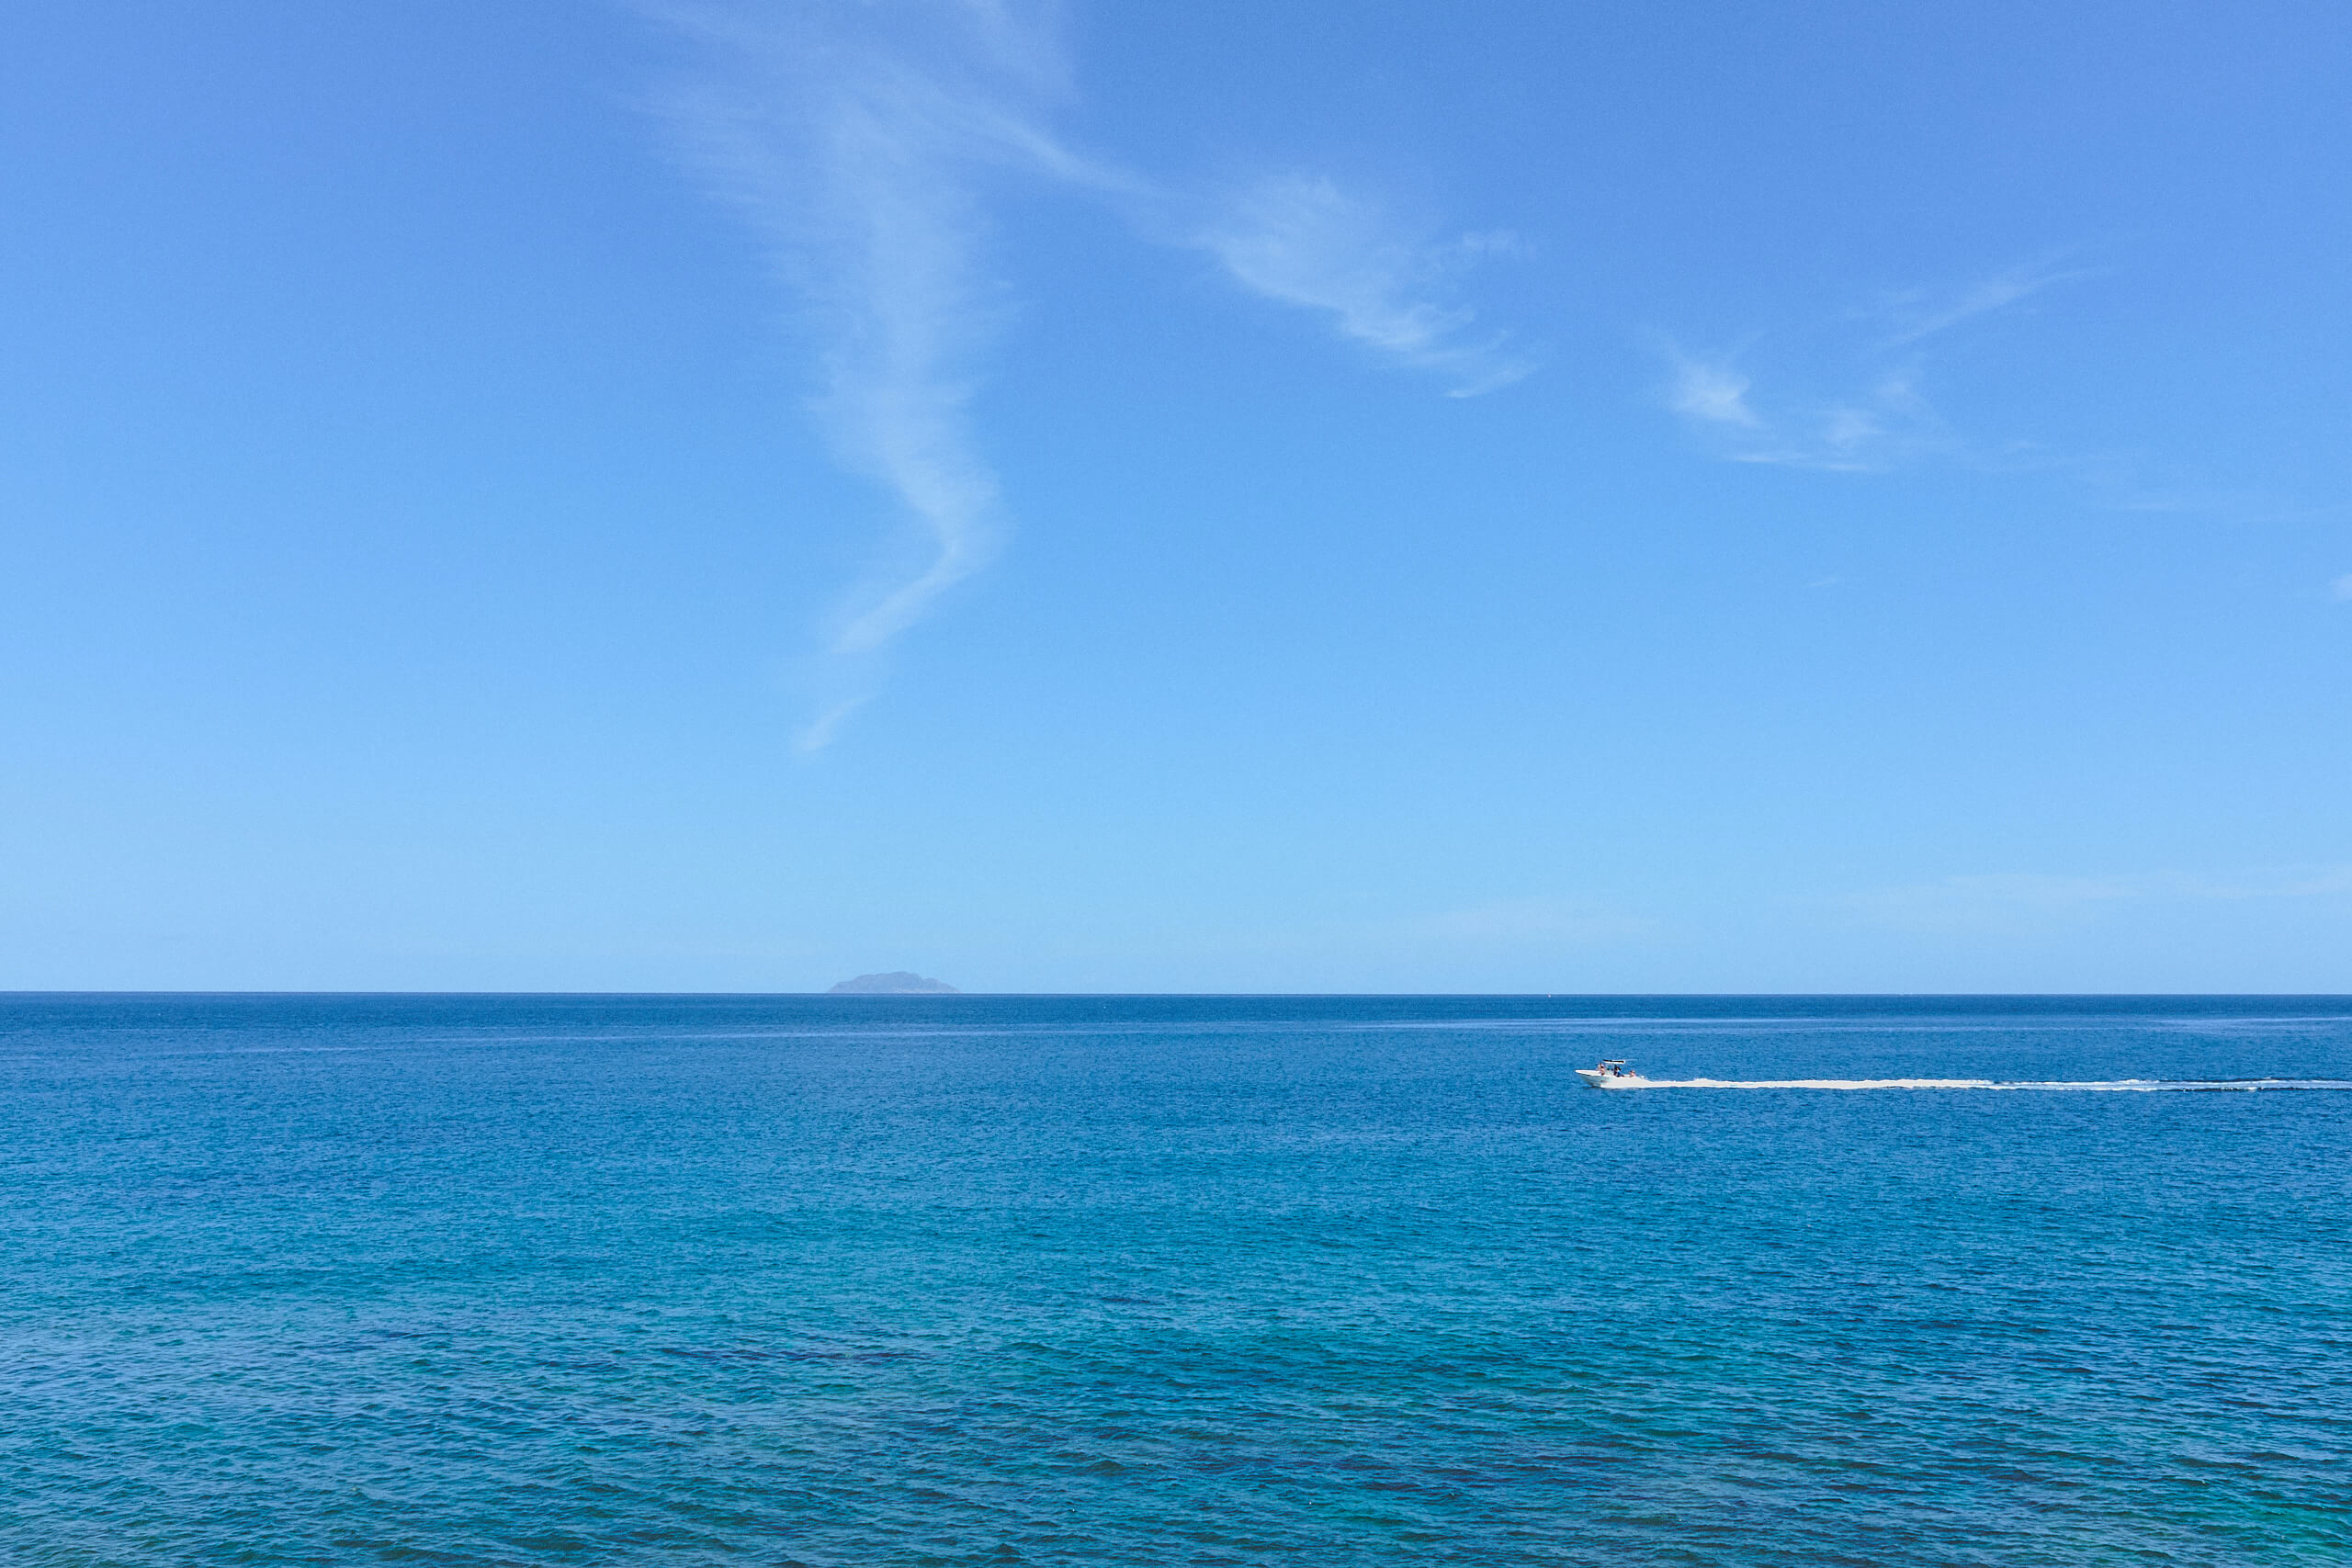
(2114, 1085)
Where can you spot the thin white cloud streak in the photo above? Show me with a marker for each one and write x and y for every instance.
(1918, 314)
(858, 137)
(2341, 589)
(1882, 427)
(853, 138)
(1711, 393)
(1300, 240)
(1885, 423)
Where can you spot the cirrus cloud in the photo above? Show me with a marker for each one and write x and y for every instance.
(863, 139)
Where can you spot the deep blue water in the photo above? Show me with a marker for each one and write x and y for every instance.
(474, 1280)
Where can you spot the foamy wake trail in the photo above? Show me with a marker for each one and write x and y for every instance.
(2114, 1085)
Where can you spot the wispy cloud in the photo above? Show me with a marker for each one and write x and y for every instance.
(2341, 589)
(1880, 426)
(862, 138)
(1301, 239)
(1918, 313)
(1710, 392)
(1882, 419)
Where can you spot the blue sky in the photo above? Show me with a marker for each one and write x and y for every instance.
(1306, 497)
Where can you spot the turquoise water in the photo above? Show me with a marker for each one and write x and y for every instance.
(474, 1280)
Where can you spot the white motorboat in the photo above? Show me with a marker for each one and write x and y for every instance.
(1609, 1075)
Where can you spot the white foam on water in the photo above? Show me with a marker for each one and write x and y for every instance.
(2114, 1085)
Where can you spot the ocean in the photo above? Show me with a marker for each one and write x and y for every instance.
(1202, 1281)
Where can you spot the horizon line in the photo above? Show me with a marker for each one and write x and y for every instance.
(1227, 995)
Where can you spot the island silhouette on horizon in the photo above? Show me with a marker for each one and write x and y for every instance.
(897, 983)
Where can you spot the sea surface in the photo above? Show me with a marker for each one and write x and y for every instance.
(981, 1280)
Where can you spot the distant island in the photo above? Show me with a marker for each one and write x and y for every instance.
(898, 983)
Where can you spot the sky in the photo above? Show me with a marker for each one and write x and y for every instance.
(1534, 497)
